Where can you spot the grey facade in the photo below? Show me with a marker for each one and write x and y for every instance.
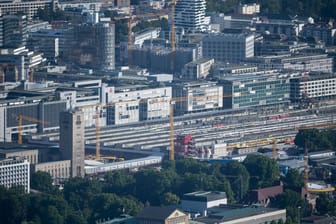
(72, 141)
(13, 31)
(228, 47)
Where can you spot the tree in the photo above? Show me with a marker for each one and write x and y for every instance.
(170, 199)
(238, 177)
(263, 171)
(13, 206)
(42, 181)
(293, 179)
(119, 182)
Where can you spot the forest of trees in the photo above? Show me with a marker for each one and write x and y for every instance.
(86, 200)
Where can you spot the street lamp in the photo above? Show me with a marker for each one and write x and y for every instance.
(299, 215)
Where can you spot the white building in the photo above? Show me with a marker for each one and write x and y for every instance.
(197, 69)
(228, 47)
(190, 15)
(15, 172)
(249, 9)
(129, 104)
(197, 97)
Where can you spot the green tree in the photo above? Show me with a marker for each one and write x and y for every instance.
(170, 199)
(13, 206)
(263, 171)
(293, 179)
(119, 182)
(42, 181)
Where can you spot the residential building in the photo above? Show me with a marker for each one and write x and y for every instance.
(15, 173)
(162, 215)
(190, 15)
(313, 86)
(72, 140)
(198, 69)
(242, 91)
(13, 31)
(228, 47)
(197, 97)
(248, 9)
(201, 201)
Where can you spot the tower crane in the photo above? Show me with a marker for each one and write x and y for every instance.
(21, 118)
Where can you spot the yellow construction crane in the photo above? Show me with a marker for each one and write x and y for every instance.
(21, 118)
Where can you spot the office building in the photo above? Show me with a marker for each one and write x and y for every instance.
(295, 62)
(94, 46)
(251, 90)
(319, 32)
(228, 47)
(199, 96)
(131, 104)
(13, 31)
(198, 69)
(15, 173)
(313, 86)
(190, 15)
(72, 144)
(29, 8)
(58, 170)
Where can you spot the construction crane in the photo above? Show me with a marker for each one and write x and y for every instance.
(21, 118)
(305, 157)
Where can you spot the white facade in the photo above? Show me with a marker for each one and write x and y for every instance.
(197, 70)
(228, 47)
(127, 105)
(148, 34)
(56, 169)
(198, 96)
(249, 9)
(190, 15)
(15, 173)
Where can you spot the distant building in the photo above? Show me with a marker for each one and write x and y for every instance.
(318, 32)
(201, 201)
(15, 172)
(13, 31)
(198, 69)
(263, 195)
(162, 215)
(197, 97)
(248, 9)
(72, 141)
(313, 86)
(94, 46)
(28, 8)
(58, 170)
(31, 155)
(228, 47)
(255, 91)
(190, 15)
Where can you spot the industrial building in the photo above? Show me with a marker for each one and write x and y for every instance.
(228, 47)
(197, 97)
(248, 91)
(15, 172)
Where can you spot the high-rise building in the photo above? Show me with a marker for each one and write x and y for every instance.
(94, 46)
(190, 15)
(72, 140)
(13, 31)
(15, 173)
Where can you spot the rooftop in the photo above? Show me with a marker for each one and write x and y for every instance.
(205, 196)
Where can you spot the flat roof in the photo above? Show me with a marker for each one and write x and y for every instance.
(204, 196)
